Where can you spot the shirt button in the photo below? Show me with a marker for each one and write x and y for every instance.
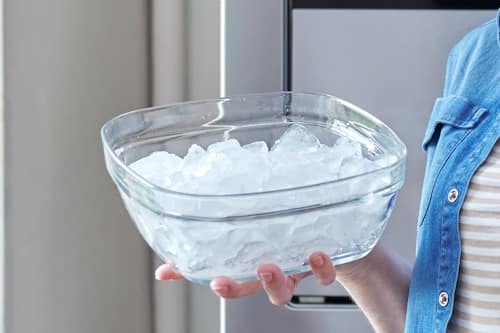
(443, 298)
(453, 195)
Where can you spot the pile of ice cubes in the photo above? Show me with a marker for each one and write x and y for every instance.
(296, 159)
(202, 250)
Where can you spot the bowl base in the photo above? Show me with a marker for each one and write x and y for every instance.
(305, 267)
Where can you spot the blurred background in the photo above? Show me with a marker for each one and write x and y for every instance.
(74, 261)
(70, 258)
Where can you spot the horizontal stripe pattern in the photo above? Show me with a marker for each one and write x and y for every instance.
(480, 281)
(477, 296)
(493, 266)
(466, 326)
(483, 195)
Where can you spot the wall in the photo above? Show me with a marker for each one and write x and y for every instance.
(185, 67)
(74, 261)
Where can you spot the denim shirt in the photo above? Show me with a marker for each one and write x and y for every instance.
(463, 128)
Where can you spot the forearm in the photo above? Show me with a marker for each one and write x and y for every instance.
(379, 284)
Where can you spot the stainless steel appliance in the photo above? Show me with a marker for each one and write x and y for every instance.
(387, 57)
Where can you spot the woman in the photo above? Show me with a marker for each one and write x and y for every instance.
(454, 285)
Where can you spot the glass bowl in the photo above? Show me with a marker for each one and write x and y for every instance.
(205, 236)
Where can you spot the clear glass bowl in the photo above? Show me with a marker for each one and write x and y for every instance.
(204, 236)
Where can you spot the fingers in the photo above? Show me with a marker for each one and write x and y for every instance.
(228, 288)
(223, 286)
(165, 272)
(279, 288)
(322, 268)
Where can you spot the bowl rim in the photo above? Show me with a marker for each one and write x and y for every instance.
(242, 97)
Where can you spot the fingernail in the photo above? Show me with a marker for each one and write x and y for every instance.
(158, 275)
(220, 290)
(266, 277)
(317, 260)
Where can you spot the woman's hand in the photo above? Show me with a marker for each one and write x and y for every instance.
(278, 287)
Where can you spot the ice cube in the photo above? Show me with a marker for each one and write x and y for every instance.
(212, 168)
(223, 146)
(297, 138)
(345, 148)
(194, 152)
(257, 147)
(385, 160)
(192, 158)
(197, 162)
(158, 167)
(352, 167)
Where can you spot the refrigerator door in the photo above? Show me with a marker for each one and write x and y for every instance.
(394, 69)
(391, 62)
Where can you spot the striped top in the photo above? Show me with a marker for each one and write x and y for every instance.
(477, 297)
